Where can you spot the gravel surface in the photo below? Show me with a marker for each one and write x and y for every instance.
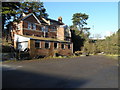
(79, 72)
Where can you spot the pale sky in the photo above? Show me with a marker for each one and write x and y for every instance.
(103, 16)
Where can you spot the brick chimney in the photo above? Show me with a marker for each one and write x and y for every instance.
(60, 19)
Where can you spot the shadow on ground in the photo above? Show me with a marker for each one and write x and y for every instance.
(22, 79)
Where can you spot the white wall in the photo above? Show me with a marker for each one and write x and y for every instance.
(22, 42)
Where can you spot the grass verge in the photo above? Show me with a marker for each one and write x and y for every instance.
(112, 56)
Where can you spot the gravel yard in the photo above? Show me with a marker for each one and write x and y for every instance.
(79, 72)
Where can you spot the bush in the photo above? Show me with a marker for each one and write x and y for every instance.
(6, 49)
(77, 53)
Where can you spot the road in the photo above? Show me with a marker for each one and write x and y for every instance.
(79, 72)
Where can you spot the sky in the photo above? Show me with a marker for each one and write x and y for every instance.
(103, 16)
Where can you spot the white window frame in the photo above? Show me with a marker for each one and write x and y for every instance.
(48, 44)
(64, 46)
(43, 28)
(57, 45)
(46, 28)
(29, 25)
(70, 46)
(39, 44)
(34, 27)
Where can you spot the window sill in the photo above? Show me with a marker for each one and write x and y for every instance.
(38, 48)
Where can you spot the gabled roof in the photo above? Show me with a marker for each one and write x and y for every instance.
(55, 21)
(42, 20)
(33, 16)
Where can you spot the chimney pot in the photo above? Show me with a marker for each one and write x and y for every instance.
(60, 19)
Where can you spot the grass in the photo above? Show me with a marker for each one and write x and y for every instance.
(46, 58)
(112, 56)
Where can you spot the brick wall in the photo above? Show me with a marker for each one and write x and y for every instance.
(33, 32)
(50, 51)
(31, 19)
(16, 30)
(38, 32)
(60, 33)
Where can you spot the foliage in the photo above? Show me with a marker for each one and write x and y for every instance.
(34, 7)
(79, 19)
(79, 33)
(109, 45)
(12, 11)
(77, 40)
(9, 11)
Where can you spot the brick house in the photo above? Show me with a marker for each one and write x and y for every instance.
(41, 36)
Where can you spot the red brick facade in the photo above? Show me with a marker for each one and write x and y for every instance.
(51, 51)
(31, 26)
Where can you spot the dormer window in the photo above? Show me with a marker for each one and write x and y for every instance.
(29, 25)
(45, 28)
(34, 26)
(53, 28)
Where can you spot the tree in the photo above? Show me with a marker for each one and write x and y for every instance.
(9, 11)
(12, 11)
(79, 20)
(76, 39)
(34, 7)
(80, 34)
(109, 45)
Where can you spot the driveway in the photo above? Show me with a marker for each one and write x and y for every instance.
(79, 72)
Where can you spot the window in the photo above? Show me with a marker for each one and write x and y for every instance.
(53, 28)
(40, 28)
(55, 45)
(62, 46)
(46, 35)
(34, 26)
(37, 44)
(68, 46)
(44, 28)
(29, 25)
(47, 45)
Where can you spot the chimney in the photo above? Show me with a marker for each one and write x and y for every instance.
(60, 19)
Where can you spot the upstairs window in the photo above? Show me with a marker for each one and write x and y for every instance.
(29, 25)
(47, 45)
(34, 26)
(53, 28)
(44, 28)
